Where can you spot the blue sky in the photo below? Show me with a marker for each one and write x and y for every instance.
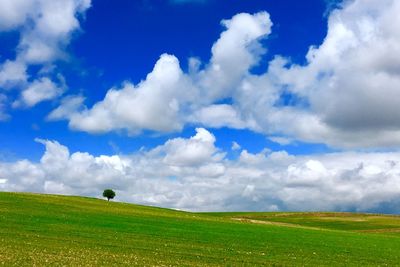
(301, 95)
(124, 41)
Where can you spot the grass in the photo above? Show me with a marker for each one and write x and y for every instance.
(345, 221)
(49, 230)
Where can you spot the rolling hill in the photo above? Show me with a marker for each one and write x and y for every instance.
(53, 230)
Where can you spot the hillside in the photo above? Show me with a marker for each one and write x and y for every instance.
(75, 231)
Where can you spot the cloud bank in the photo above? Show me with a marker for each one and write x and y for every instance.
(193, 174)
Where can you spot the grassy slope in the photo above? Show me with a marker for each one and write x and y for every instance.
(59, 230)
(345, 221)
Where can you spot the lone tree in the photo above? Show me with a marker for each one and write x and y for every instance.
(109, 194)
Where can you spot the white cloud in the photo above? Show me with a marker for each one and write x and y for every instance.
(12, 73)
(195, 151)
(38, 91)
(351, 80)
(168, 98)
(235, 146)
(154, 104)
(234, 53)
(14, 13)
(218, 116)
(68, 105)
(281, 140)
(202, 178)
(346, 94)
(53, 23)
(45, 29)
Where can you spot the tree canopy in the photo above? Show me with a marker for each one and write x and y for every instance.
(109, 194)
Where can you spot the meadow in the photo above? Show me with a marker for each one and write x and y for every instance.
(53, 230)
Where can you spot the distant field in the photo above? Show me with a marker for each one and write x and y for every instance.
(48, 230)
(345, 221)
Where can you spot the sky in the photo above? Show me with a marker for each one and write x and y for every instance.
(203, 105)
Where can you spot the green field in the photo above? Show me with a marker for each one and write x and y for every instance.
(48, 230)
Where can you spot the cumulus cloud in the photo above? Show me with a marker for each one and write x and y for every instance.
(195, 151)
(194, 174)
(351, 80)
(54, 21)
(345, 95)
(45, 29)
(14, 13)
(168, 98)
(68, 105)
(39, 90)
(12, 73)
(218, 116)
(154, 104)
(234, 53)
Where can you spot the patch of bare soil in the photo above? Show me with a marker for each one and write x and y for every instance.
(347, 219)
(277, 223)
(386, 230)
